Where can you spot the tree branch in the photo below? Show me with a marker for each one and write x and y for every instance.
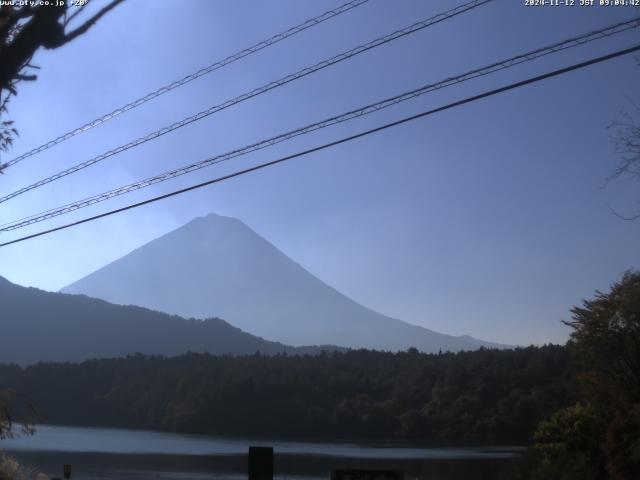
(74, 14)
(623, 217)
(89, 23)
(13, 18)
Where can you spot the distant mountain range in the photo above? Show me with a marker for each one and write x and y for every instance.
(41, 326)
(218, 267)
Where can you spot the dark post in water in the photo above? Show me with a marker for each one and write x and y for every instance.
(260, 463)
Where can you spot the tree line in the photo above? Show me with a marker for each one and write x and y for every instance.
(577, 406)
(597, 434)
(484, 396)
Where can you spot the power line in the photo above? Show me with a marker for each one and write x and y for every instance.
(371, 108)
(253, 93)
(474, 98)
(312, 22)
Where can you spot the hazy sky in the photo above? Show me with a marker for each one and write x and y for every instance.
(489, 219)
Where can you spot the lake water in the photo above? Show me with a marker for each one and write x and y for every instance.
(97, 453)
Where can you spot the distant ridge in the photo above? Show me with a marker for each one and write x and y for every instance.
(218, 266)
(44, 326)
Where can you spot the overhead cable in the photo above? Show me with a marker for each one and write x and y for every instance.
(365, 110)
(261, 166)
(253, 93)
(312, 22)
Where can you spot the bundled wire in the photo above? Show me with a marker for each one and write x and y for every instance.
(362, 111)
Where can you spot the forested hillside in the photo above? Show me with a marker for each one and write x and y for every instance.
(485, 396)
(44, 326)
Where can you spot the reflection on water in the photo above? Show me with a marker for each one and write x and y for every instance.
(129, 454)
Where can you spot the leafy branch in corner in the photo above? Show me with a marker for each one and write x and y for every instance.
(626, 139)
(24, 30)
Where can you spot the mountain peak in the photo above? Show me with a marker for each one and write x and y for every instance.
(210, 219)
(217, 266)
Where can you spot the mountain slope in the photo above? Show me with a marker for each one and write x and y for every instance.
(41, 326)
(218, 266)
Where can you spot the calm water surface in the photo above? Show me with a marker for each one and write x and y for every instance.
(97, 453)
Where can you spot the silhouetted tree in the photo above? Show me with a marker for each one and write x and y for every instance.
(568, 445)
(23, 30)
(606, 338)
(26, 411)
(626, 138)
(484, 396)
(599, 437)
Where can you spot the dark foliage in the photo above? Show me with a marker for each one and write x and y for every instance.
(625, 135)
(472, 397)
(24, 29)
(599, 437)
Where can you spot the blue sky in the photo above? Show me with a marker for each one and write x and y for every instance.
(492, 219)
